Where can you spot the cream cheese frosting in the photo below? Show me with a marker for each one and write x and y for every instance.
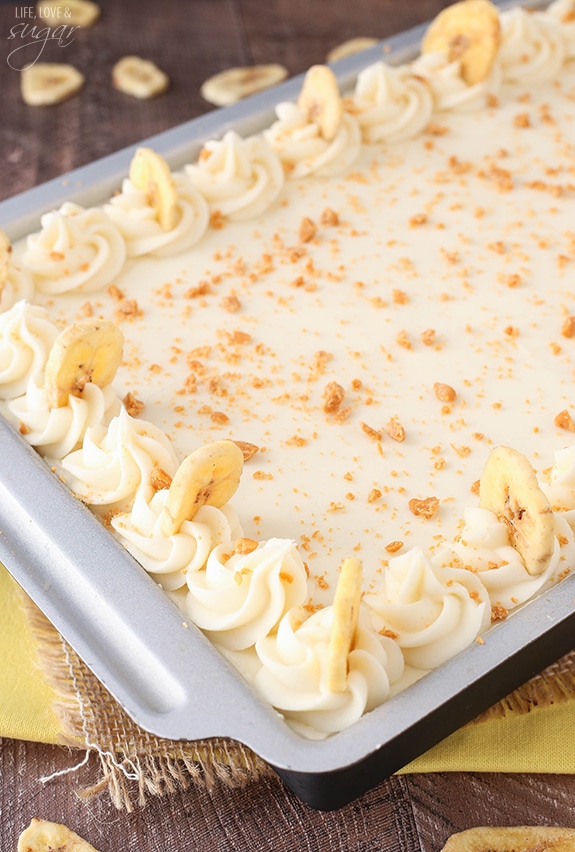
(169, 559)
(483, 548)
(56, 432)
(239, 178)
(564, 12)
(370, 337)
(137, 220)
(449, 90)
(116, 462)
(77, 249)
(433, 612)
(240, 598)
(390, 103)
(26, 337)
(293, 673)
(17, 286)
(302, 149)
(533, 46)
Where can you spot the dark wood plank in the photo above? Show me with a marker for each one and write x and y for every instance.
(190, 41)
(298, 33)
(414, 813)
(38, 143)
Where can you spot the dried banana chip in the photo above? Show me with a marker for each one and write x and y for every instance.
(527, 838)
(345, 615)
(208, 476)
(44, 836)
(468, 31)
(151, 173)
(76, 13)
(234, 84)
(321, 101)
(86, 351)
(139, 77)
(509, 488)
(47, 83)
(350, 47)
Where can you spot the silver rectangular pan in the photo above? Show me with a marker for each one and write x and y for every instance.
(167, 676)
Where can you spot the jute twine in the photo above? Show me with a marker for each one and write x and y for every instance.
(136, 764)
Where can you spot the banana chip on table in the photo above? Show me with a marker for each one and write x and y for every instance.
(73, 13)
(525, 838)
(47, 83)
(233, 85)
(351, 47)
(44, 836)
(139, 77)
(468, 31)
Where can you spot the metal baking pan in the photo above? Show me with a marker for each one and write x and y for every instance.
(169, 678)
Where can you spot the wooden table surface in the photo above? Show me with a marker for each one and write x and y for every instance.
(190, 41)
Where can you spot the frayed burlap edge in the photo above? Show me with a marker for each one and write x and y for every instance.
(554, 685)
(136, 764)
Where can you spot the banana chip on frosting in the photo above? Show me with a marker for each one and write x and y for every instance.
(470, 32)
(208, 476)
(345, 618)
(151, 173)
(86, 351)
(321, 101)
(509, 488)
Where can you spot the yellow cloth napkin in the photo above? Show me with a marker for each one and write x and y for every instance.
(537, 741)
(26, 700)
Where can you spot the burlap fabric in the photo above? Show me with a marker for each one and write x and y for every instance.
(134, 763)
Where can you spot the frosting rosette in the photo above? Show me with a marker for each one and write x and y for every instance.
(559, 487)
(239, 178)
(55, 432)
(293, 674)
(390, 103)
(483, 548)
(564, 12)
(532, 48)
(116, 461)
(303, 150)
(240, 598)
(17, 285)
(137, 219)
(76, 249)
(170, 558)
(26, 337)
(434, 611)
(450, 91)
